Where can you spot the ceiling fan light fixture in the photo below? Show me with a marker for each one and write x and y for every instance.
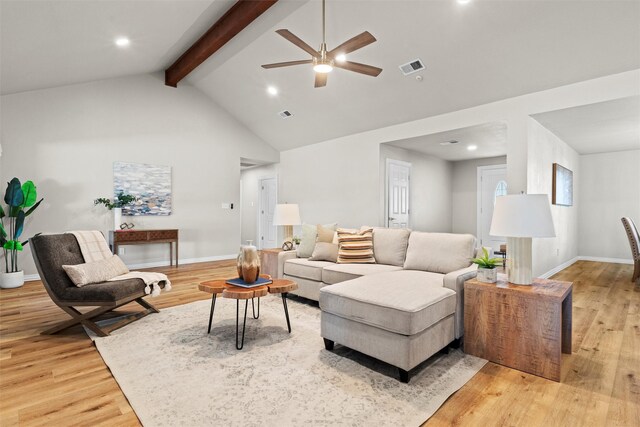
(322, 68)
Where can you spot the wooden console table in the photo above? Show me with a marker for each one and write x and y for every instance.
(521, 327)
(145, 237)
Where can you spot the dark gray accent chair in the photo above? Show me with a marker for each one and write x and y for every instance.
(50, 253)
(634, 242)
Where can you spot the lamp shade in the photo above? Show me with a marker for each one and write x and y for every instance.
(522, 215)
(288, 214)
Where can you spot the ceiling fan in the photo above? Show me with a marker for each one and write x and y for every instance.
(324, 61)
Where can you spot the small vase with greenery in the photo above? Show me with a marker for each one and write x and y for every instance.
(119, 201)
(116, 205)
(18, 197)
(487, 271)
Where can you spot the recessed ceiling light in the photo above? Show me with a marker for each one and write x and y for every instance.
(472, 147)
(122, 42)
(464, 1)
(341, 57)
(272, 90)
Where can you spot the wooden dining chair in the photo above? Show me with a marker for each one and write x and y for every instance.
(634, 242)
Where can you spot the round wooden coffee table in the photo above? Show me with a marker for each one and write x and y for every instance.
(220, 287)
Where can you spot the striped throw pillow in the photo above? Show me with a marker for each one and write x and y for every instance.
(355, 247)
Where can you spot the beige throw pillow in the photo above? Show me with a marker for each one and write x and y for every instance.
(325, 251)
(325, 234)
(308, 239)
(355, 247)
(95, 272)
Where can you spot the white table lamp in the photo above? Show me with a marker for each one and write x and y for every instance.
(520, 217)
(287, 215)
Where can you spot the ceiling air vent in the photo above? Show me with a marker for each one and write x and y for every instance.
(452, 142)
(412, 67)
(285, 114)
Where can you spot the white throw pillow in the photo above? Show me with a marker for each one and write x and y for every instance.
(308, 239)
(95, 272)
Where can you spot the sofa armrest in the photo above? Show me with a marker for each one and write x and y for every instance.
(282, 258)
(455, 281)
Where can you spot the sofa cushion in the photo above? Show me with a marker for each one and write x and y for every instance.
(439, 252)
(404, 302)
(390, 245)
(355, 247)
(302, 267)
(341, 272)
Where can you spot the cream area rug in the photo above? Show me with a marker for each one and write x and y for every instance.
(175, 374)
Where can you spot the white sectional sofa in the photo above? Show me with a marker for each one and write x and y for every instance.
(401, 310)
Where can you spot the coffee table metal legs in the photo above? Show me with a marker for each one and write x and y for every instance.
(253, 308)
(286, 310)
(255, 315)
(244, 323)
(213, 307)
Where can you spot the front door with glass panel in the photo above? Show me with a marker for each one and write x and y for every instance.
(492, 183)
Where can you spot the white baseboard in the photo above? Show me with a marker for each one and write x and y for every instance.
(584, 258)
(183, 261)
(559, 268)
(611, 260)
(32, 277)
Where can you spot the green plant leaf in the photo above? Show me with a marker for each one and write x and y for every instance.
(3, 232)
(2, 214)
(30, 194)
(33, 208)
(17, 231)
(14, 196)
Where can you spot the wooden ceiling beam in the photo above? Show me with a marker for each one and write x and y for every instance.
(237, 18)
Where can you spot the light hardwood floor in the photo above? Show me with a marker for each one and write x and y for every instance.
(61, 380)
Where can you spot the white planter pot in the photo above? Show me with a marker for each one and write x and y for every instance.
(11, 280)
(117, 218)
(487, 275)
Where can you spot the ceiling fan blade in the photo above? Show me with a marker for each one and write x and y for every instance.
(355, 43)
(321, 80)
(287, 64)
(359, 68)
(298, 42)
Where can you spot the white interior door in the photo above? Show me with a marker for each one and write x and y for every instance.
(267, 232)
(492, 183)
(398, 193)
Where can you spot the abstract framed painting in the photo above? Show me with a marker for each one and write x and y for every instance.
(562, 194)
(150, 184)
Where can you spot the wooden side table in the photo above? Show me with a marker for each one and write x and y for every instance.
(521, 327)
(145, 237)
(269, 261)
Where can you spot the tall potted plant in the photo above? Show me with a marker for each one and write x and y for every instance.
(116, 205)
(18, 197)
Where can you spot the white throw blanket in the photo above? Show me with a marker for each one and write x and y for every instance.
(150, 278)
(94, 247)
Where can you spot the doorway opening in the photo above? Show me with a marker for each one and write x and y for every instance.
(268, 198)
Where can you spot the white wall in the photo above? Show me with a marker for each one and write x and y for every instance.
(545, 148)
(430, 188)
(609, 189)
(465, 193)
(250, 181)
(66, 140)
(333, 182)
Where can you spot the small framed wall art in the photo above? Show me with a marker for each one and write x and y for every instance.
(562, 194)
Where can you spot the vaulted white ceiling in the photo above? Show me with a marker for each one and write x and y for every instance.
(475, 53)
